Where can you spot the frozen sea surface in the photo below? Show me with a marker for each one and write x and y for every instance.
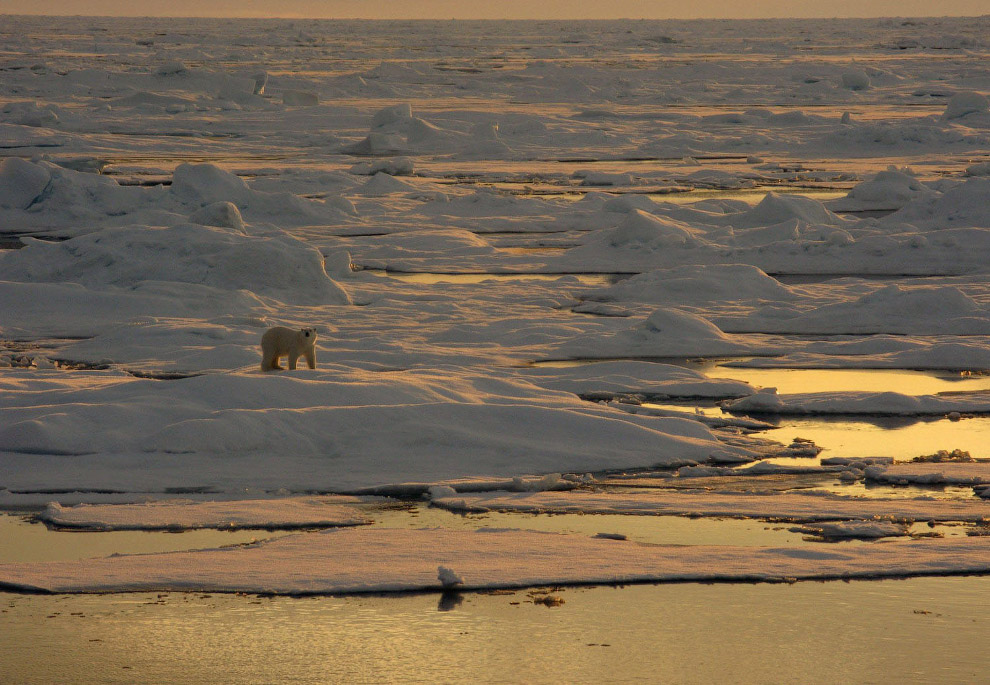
(692, 268)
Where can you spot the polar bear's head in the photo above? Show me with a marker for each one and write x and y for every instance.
(308, 334)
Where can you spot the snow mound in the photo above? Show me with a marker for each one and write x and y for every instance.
(963, 104)
(640, 229)
(964, 205)
(21, 183)
(222, 214)
(204, 184)
(377, 144)
(384, 184)
(51, 194)
(29, 114)
(891, 309)
(695, 285)
(776, 209)
(627, 204)
(856, 80)
(664, 333)
(392, 116)
(300, 98)
(73, 202)
(268, 514)
(889, 189)
(278, 266)
(677, 324)
(395, 129)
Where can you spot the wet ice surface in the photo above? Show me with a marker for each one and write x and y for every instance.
(453, 207)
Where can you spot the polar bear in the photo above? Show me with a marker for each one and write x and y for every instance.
(280, 341)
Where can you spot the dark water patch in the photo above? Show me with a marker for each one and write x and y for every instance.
(590, 279)
(865, 213)
(70, 365)
(191, 490)
(144, 182)
(12, 240)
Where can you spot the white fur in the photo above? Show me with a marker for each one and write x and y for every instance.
(280, 341)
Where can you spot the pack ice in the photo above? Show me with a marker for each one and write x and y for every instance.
(506, 245)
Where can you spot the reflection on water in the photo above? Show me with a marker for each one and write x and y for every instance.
(902, 439)
(791, 381)
(677, 194)
(920, 630)
(750, 195)
(24, 541)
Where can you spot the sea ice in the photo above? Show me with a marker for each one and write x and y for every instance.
(309, 512)
(795, 506)
(395, 560)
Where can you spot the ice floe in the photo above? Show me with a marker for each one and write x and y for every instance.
(380, 560)
(324, 428)
(798, 506)
(174, 195)
(310, 512)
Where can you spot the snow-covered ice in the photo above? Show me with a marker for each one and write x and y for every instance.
(796, 506)
(188, 514)
(497, 238)
(377, 560)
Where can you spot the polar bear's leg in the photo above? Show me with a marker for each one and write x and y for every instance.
(270, 362)
(293, 357)
(310, 357)
(269, 356)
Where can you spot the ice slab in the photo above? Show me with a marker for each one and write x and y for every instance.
(932, 473)
(394, 560)
(229, 515)
(814, 506)
(854, 529)
(334, 429)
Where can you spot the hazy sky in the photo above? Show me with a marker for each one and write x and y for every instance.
(503, 9)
